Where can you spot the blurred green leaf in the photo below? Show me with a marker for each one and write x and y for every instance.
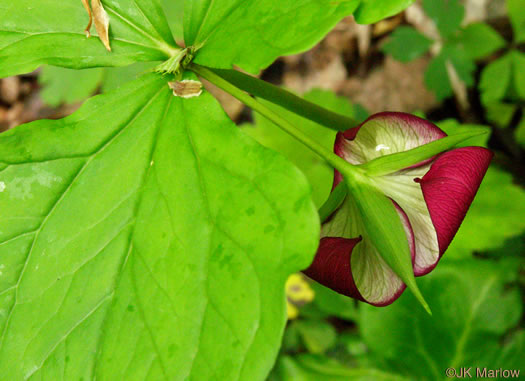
(313, 166)
(495, 215)
(512, 353)
(353, 344)
(446, 14)
(512, 247)
(518, 61)
(318, 335)
(291, 338)
(519, 133)
(371, 11)
(473, 307)
(495, 79)
(437, 77)
(406, 44)
(500, 113)
(479, 40)
(66, 86)
(452, 127)
(333, 303)
(516, 13)
(321, 368)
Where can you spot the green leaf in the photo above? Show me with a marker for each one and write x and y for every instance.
(53, 33)
(446, 14)
(517, 18)
(479, 40)
(371, 11)
(318, 335)
(262, 29)
(406, 44)
(500, 113)
(318, 172)
(473, 307)
(436, 76)
(518, 61)
(519, 133)
(145, 236)
(453, 127)
(174, 10)
(320, 368)
(114, 77)
(61, 85)
(498, 217)
(495, 79)
(333, 303)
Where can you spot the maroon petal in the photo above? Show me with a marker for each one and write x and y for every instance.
(450, 186)
(331, 266)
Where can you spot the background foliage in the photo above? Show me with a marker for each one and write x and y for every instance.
(476, 291)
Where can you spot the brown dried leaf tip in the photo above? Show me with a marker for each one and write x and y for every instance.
(187, 88)
(97, 13)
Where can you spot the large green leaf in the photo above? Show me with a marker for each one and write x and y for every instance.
(253, 33)
(52, 32)
(146, 237)
(473, 307)
(371, 11)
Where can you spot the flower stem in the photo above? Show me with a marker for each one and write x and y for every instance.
(334, 160)
(286, 99)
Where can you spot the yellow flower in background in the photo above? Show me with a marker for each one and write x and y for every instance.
(298, 293)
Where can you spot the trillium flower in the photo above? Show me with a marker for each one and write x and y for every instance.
(431, 199)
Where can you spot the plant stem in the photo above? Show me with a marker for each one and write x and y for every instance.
(334, 160)
(286, 99)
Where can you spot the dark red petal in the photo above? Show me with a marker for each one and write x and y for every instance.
(331, 266)
(450, 186)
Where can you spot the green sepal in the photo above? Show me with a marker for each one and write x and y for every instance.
(334, 201)
(385, 229)
(395, 162)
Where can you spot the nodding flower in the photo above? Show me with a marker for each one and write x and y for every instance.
(431, 199)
